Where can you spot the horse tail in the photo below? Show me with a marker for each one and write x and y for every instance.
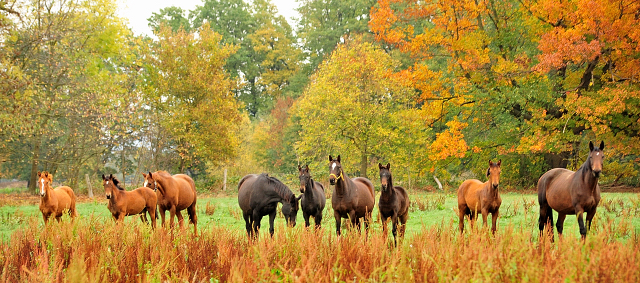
(72, 206)
(546, 213)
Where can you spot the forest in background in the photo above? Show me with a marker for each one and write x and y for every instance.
(436, 88)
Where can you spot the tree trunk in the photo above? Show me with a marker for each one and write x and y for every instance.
(89, 187)
(363, 162)
(34, 165)
(224, 184)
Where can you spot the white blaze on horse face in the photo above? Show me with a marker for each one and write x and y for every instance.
(145, 183)
(333, 166)
(42, 188)
(107, 182)
(597, 153)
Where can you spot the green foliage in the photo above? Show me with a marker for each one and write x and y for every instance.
(174, 17)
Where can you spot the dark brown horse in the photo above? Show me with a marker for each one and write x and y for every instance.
(393, 203)
(352, 198)
(54, 202)
(475, 196)
(122, 203)
(176, 193)
(569, 192)
(259, 195)
(313, 197)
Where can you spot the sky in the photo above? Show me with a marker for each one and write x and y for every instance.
(138, 11)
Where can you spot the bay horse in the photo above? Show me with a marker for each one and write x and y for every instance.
(352, 198)
(475, 196)
(123, 203)
(569, 192)
(393, 203)
(313, 197)
(259, 195)
(54, 202)
(176, 193)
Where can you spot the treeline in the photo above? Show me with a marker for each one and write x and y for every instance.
(435, 88)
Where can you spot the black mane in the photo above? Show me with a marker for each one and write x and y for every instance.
(281, 189)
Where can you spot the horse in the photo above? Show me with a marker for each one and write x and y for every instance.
(176, 193)
(122, 203)
(352, 198)
(475, 196)
(54, 202)
(313, 197)
(569, 192)
(258, 195)
(393, 203)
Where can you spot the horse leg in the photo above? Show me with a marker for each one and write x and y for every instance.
(272, 218)
(255, 224)
(336, 215)
(546, 217)
(354, 220)
(485, 215)
(494, 221)
(394, 229)
(583, 229)
(384, 224)
(462, 211)
(161, 211)
(306, 219)
(180, 219)
(172, 214)
(403, 223)
(560, 224)
(318, 219)
(247, 222)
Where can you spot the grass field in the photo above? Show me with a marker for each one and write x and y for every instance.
(96, 249)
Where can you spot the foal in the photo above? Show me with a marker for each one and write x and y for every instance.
(475, 196)
(122, 203)
(394, 203)
(313, 197)
(54, 202)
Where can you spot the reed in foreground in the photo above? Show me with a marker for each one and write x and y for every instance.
(94, 250)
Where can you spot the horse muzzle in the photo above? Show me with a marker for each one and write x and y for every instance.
(42, 194)
(302, 189)
(108, 196)
(596, 173)
(384, 187)
(332, 181)
(495, 186)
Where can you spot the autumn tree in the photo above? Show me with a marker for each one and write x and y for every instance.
(190, 92)
(351, 106)
(63, 58)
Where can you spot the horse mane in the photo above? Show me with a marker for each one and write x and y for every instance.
(116, 182)
(163, 173)
(281, 189)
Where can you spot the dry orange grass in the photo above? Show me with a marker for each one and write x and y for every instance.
(93, 250)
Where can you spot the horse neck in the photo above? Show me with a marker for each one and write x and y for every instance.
(493, 193)
(48, 194)
(116, 195)
(390, 191)
(308, 188)
(586, 174)
(341, 185)
(164, 184)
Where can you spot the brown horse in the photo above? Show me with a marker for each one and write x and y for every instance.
(569, 192)
(259, 195)
(475, 196)
(393, 203)
(122, 203)
(54, 202)
(313, 197)
(176, 193)
(352, 198)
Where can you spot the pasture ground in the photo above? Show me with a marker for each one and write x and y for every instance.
(95, 249)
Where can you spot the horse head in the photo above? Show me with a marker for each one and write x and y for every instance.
(109, 183)
(596, 156)
(290, 210)
(304, 176)
(149, 182)
(494, 173)
(44, 182)
(335, 170)
(385, 176)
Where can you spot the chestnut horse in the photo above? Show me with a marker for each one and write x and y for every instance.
(54, 202)
(258, 195)
(475, 196)
(569, 192)
(393, 203)
(313, 197)
(352, 198)
(176, 193)
(122, 203)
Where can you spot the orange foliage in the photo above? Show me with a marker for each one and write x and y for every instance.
(450, 142)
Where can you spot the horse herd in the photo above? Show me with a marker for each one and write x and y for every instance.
(562, 190)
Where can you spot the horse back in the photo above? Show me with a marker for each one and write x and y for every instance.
(365, 193)
(403, 196)
(363, 182)
(186, 190)
(66, 197)
(469, 193)
(147, 194)
(245, 188)
(556, 181)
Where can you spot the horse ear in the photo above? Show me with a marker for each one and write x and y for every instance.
(144, 175)
(490, 163)
(306, 167)
(38, 174)
(103, 178)
(488, 171)
(330, 158)
(388, 165)
(601, 145)
(150, 175)
(338, 158)
(299, 168)
(590, 146)
(379, 165)
(499, 162)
